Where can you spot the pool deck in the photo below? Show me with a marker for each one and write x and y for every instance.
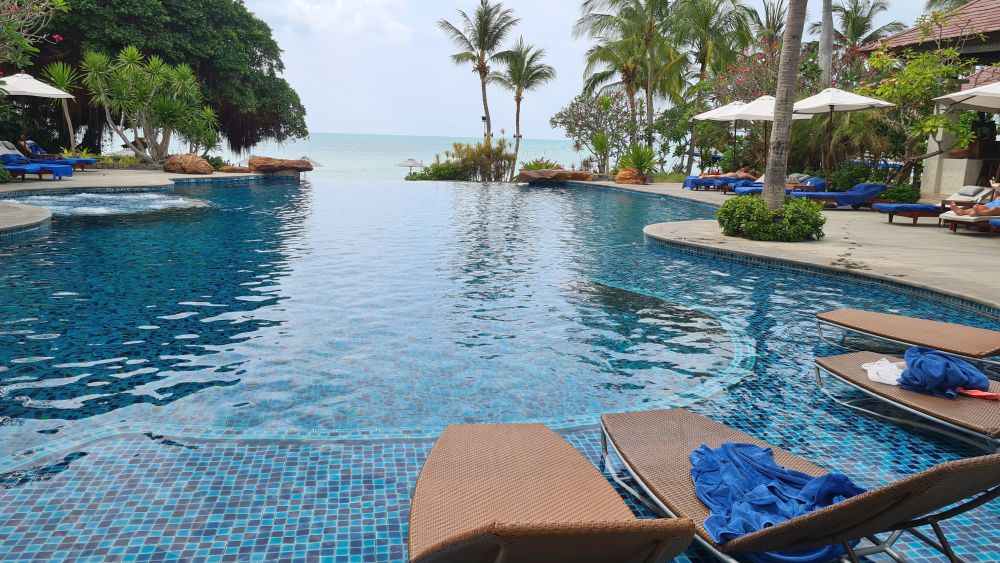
(962, 264)
(18, 216)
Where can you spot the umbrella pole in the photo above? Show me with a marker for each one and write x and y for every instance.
(734, 143)
(828, 161)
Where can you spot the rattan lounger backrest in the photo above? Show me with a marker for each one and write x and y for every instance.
(881, 509)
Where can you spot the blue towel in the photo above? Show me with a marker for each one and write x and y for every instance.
(995, 223)
(907, 208)
(935, 373)
(746, 491)
(858, 195)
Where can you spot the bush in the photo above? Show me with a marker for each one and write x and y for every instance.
(850, 175)
(640, 157)
(541, 164)
(748, 217)
(448, 170)
(217, 162)
(4, 175)
(110, 159)
(903, 193)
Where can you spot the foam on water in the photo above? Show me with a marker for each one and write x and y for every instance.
(96, 204)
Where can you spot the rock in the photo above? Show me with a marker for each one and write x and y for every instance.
(630, 176)
(235, 170)
(265, 164)
(187, 164)
(560, 176)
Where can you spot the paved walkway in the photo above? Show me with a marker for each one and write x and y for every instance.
(964, 264)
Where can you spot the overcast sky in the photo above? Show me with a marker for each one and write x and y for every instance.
(381, 66)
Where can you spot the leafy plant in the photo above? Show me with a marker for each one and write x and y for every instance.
(4, 175)
(541, 164)
(217, 162)
(903, 193)
(640, 157)
(114, 159)
(447, 171)
(748, 217)
(24, 24)
(65, 78)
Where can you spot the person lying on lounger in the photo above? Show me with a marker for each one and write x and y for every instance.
(991, 209)
(745, 173)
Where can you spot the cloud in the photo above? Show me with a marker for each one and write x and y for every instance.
(371, 19)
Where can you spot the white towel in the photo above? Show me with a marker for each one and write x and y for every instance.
(884, 371)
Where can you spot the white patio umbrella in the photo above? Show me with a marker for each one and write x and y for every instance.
(981, 98)
(723, 113)
(411, 164)
(762, 109)
(836, 100)
(23, 84)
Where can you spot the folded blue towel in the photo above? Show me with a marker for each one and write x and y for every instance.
(895, 208)
(746, 491)
(935, 373)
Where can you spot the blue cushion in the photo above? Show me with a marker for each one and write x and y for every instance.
(907, 208)
(995, 223)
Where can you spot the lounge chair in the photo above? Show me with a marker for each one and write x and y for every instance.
(856, 197)
(978, 345)
(57, 171)
(970, 195)
(20, 171)
(520, 493)
(994, 226)
(38, 153)
(982, 223)
(910, 210)
(654, 447)
(976, 421)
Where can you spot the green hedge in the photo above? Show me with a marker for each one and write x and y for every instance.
(748, 217)
(448, 170)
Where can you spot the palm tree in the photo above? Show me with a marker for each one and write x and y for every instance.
(524, 71)
(480, 39)
(65, 78)
(714, 32)
(826, 44)
(770, 26)
(788, 70)
(615, 64)
(856, 23)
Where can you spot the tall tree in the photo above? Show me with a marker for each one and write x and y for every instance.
(788, 69)
(612, 65)
(480, 39)
(232, 52)
(826, 44)
(944, 5)
(63, 77)
(523, 72)
(856, 23)
(765, 26)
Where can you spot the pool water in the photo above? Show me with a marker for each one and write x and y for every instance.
(360, 319)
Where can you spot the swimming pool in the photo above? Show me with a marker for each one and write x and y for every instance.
(334, 328)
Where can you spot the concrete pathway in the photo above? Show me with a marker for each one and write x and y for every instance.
(15, 215)
(964, 264)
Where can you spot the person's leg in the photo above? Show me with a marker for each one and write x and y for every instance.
(958, 210)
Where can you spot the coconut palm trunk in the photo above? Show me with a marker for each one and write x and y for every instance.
(788, 70)
(826, 44)
(517, 132)
(70, 132)
(483, 78)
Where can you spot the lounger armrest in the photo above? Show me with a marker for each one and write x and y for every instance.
(640, 541)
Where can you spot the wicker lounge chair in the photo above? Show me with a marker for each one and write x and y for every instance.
(976, 344)
(974, 420)
(520, 493)
(654, 447)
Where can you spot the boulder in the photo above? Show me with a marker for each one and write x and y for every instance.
(265, 164)
(187, 164)
(559, 176)
(630, 176)
(235, 170)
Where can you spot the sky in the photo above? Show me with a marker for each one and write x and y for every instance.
(383, 67)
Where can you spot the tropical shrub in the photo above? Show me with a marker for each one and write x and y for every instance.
(217, 162)
(902, 193)
(114, 159)
(4, 175)
(640, 157)
(24, 25)
(541, 164)
(748, 217)
(446, 171)
(599, 125)
(487, 162)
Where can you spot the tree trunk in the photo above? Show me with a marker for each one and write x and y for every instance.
(701, 75)
(826, 44)
(788, 70)
(630, 91)
(486, 109)
(69, 126)
(517, 133)
(649, 105)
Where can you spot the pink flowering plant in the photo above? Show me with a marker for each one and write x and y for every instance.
(24, 23)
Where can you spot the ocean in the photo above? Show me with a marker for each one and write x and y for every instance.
(363, 158)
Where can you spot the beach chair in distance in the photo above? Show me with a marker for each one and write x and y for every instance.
(856, 197)
(653, 447)
(970, 420)
(520, 493)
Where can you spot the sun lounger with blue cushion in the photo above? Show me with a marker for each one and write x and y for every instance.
(38, 153)
(859, 195)
(912, 210)
(57, 171)
(20, 171)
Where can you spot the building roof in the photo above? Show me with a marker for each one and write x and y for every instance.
(978, 16)
(988, 75)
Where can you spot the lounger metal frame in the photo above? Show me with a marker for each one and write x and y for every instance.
(991, 365)
(879, 545)
(953, 431)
